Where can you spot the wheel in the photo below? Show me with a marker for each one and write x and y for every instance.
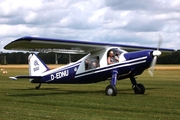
(111, 90)
(139, 89)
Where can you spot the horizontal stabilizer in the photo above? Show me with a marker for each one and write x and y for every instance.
(28, 77)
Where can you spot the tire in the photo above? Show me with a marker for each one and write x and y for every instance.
(111, 90)
(139, 89)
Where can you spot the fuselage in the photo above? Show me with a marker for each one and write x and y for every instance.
(134, 63)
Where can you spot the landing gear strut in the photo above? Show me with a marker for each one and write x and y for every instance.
(138, 88)
(37, 87)
(111, 89)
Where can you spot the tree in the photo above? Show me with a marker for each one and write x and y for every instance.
(173, 58)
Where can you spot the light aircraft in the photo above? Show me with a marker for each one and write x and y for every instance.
(93, 67)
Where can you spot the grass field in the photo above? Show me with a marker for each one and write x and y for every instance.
(161, 101)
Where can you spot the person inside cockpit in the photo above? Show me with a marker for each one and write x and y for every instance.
(112, 58)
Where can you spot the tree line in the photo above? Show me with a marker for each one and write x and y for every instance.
(48, 58)
(61, 58)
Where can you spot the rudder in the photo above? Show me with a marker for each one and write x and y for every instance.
(36, 65)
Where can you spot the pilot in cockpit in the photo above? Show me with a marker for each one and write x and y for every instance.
(112, 58)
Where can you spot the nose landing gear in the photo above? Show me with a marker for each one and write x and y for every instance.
(138, 88)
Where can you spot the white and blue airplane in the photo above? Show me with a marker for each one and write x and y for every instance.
(93, 67)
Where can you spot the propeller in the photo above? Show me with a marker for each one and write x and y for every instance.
(155, 54)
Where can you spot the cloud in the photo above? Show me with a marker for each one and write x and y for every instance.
(136, 22)
(158, 6)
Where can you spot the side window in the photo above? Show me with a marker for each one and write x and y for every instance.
(91, 63)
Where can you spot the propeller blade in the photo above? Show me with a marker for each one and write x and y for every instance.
(156, 53)
(153, 63)
(150, 73)
(159, 41)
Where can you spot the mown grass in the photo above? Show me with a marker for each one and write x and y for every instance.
(19, 99)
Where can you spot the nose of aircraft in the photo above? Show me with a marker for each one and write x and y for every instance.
(156, 53)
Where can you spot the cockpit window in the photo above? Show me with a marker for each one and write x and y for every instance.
(116, 51)
(91, 63)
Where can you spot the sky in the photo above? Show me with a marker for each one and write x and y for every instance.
(131, 22)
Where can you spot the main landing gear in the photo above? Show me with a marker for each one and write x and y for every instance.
(37, 87)
(111, 89)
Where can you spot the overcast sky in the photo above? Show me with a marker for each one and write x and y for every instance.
(134, 22)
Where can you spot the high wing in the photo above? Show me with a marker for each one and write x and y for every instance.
(68, 46)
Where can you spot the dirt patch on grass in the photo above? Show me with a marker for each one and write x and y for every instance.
(13, 66)
(167, 67)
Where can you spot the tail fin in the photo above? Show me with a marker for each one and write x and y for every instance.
(36, 65)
